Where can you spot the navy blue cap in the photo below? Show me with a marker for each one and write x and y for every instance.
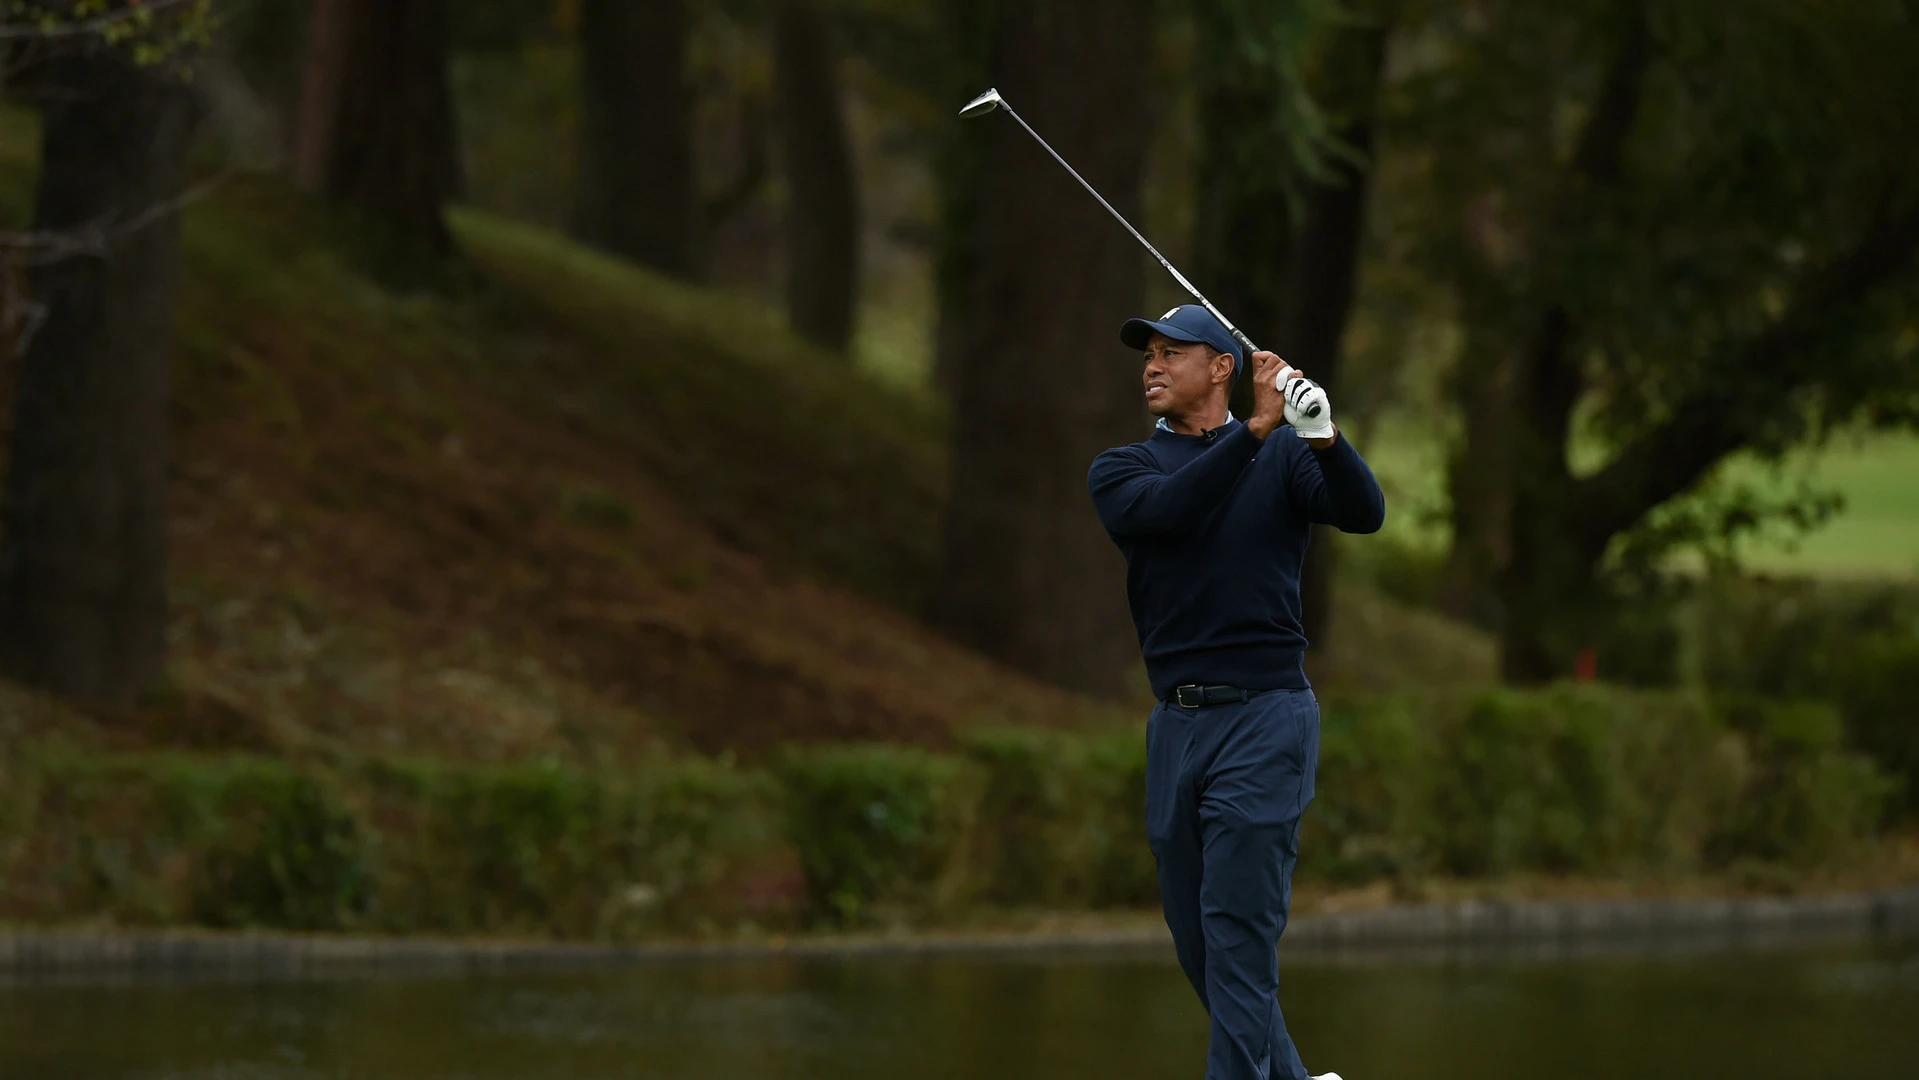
(1187, 322)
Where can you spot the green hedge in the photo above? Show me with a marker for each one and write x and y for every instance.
(1853, 646)
(879, 829)
(1591, 780)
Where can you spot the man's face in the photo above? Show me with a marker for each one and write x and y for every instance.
(1181, 376)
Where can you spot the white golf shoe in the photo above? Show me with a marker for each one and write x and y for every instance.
(1327, 1076)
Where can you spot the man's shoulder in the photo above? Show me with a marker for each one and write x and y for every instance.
(1140, 451)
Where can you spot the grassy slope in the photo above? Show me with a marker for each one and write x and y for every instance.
(574, 521)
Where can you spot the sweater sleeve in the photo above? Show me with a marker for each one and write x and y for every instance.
(1337, 488)
(1134, 498)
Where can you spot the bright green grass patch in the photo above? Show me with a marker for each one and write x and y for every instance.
(1875, 534)
(1877, 531)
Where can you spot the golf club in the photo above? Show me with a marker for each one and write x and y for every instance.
(992, 100)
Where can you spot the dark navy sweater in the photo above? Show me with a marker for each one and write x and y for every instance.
(1214, 530)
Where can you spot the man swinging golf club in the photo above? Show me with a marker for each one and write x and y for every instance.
(1213, 516)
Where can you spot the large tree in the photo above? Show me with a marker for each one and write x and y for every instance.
(1286, 119)
(638, 197)
(1676, 232)
(822, 213)
(1042, 384)
(376, 117)
(83, 559)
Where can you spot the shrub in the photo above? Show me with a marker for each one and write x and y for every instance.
(881, 831)
(553, 849)
(286, 853)
(1855, 646)
(1593, 780)
(1059, 819)
(231, 841)
(1369, 816)
(1804, 799)
(1586, 779)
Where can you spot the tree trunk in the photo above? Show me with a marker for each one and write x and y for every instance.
(1478, 475)
(1244, 227)
(321, 67)
(1291, 282)
(376, 118)
(822, 216)
(637, 197)
(83, 559)
(1030, 577)
(960, 172)
(1324, 272)
(1549, 599)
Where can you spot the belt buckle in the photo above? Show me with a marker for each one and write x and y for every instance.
(1198, 696)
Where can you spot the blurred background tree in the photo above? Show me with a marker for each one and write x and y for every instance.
(83, 558)
(375, 128)
(638, 197)
(1674, 232)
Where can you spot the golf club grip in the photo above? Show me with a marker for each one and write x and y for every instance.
(1279, 384)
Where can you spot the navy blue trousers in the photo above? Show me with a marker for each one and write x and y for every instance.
(1225, 788)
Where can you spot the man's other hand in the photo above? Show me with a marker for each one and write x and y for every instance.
(1269, 404)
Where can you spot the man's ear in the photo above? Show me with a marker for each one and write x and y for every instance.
(1223, 368)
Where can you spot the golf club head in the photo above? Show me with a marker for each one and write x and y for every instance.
(981, 105)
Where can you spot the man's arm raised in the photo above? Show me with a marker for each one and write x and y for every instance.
(1134, 498)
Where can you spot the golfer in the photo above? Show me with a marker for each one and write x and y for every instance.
(1213, 516)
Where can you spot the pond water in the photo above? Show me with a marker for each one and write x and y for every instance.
(1796, 1014)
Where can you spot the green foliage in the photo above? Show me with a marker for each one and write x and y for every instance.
(1261, 47)
(1671, 234)
(877, 828)
(1804, 799)
(1594, 781)
(289, 854)
(1855, 646)
(547, 849)
(407, 847)
(1589, 780)
(236, 841)
(1369, 818)
(1576, 779)
(1059, 819)
(148, 31)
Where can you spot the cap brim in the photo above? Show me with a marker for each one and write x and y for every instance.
(1135, 333)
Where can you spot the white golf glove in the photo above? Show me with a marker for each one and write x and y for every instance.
(1307, 407)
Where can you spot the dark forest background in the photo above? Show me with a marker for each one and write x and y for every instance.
(516, 379)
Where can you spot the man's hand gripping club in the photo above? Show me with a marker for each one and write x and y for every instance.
(1282, 394)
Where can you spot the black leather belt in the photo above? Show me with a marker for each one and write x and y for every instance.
(1193, 695)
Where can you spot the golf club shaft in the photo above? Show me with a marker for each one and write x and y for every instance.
(1170, 268)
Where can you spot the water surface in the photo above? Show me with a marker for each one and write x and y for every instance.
(1795, 1014)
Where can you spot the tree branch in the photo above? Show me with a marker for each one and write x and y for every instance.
(1727, 413)
(49, 28)
(20, 314)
